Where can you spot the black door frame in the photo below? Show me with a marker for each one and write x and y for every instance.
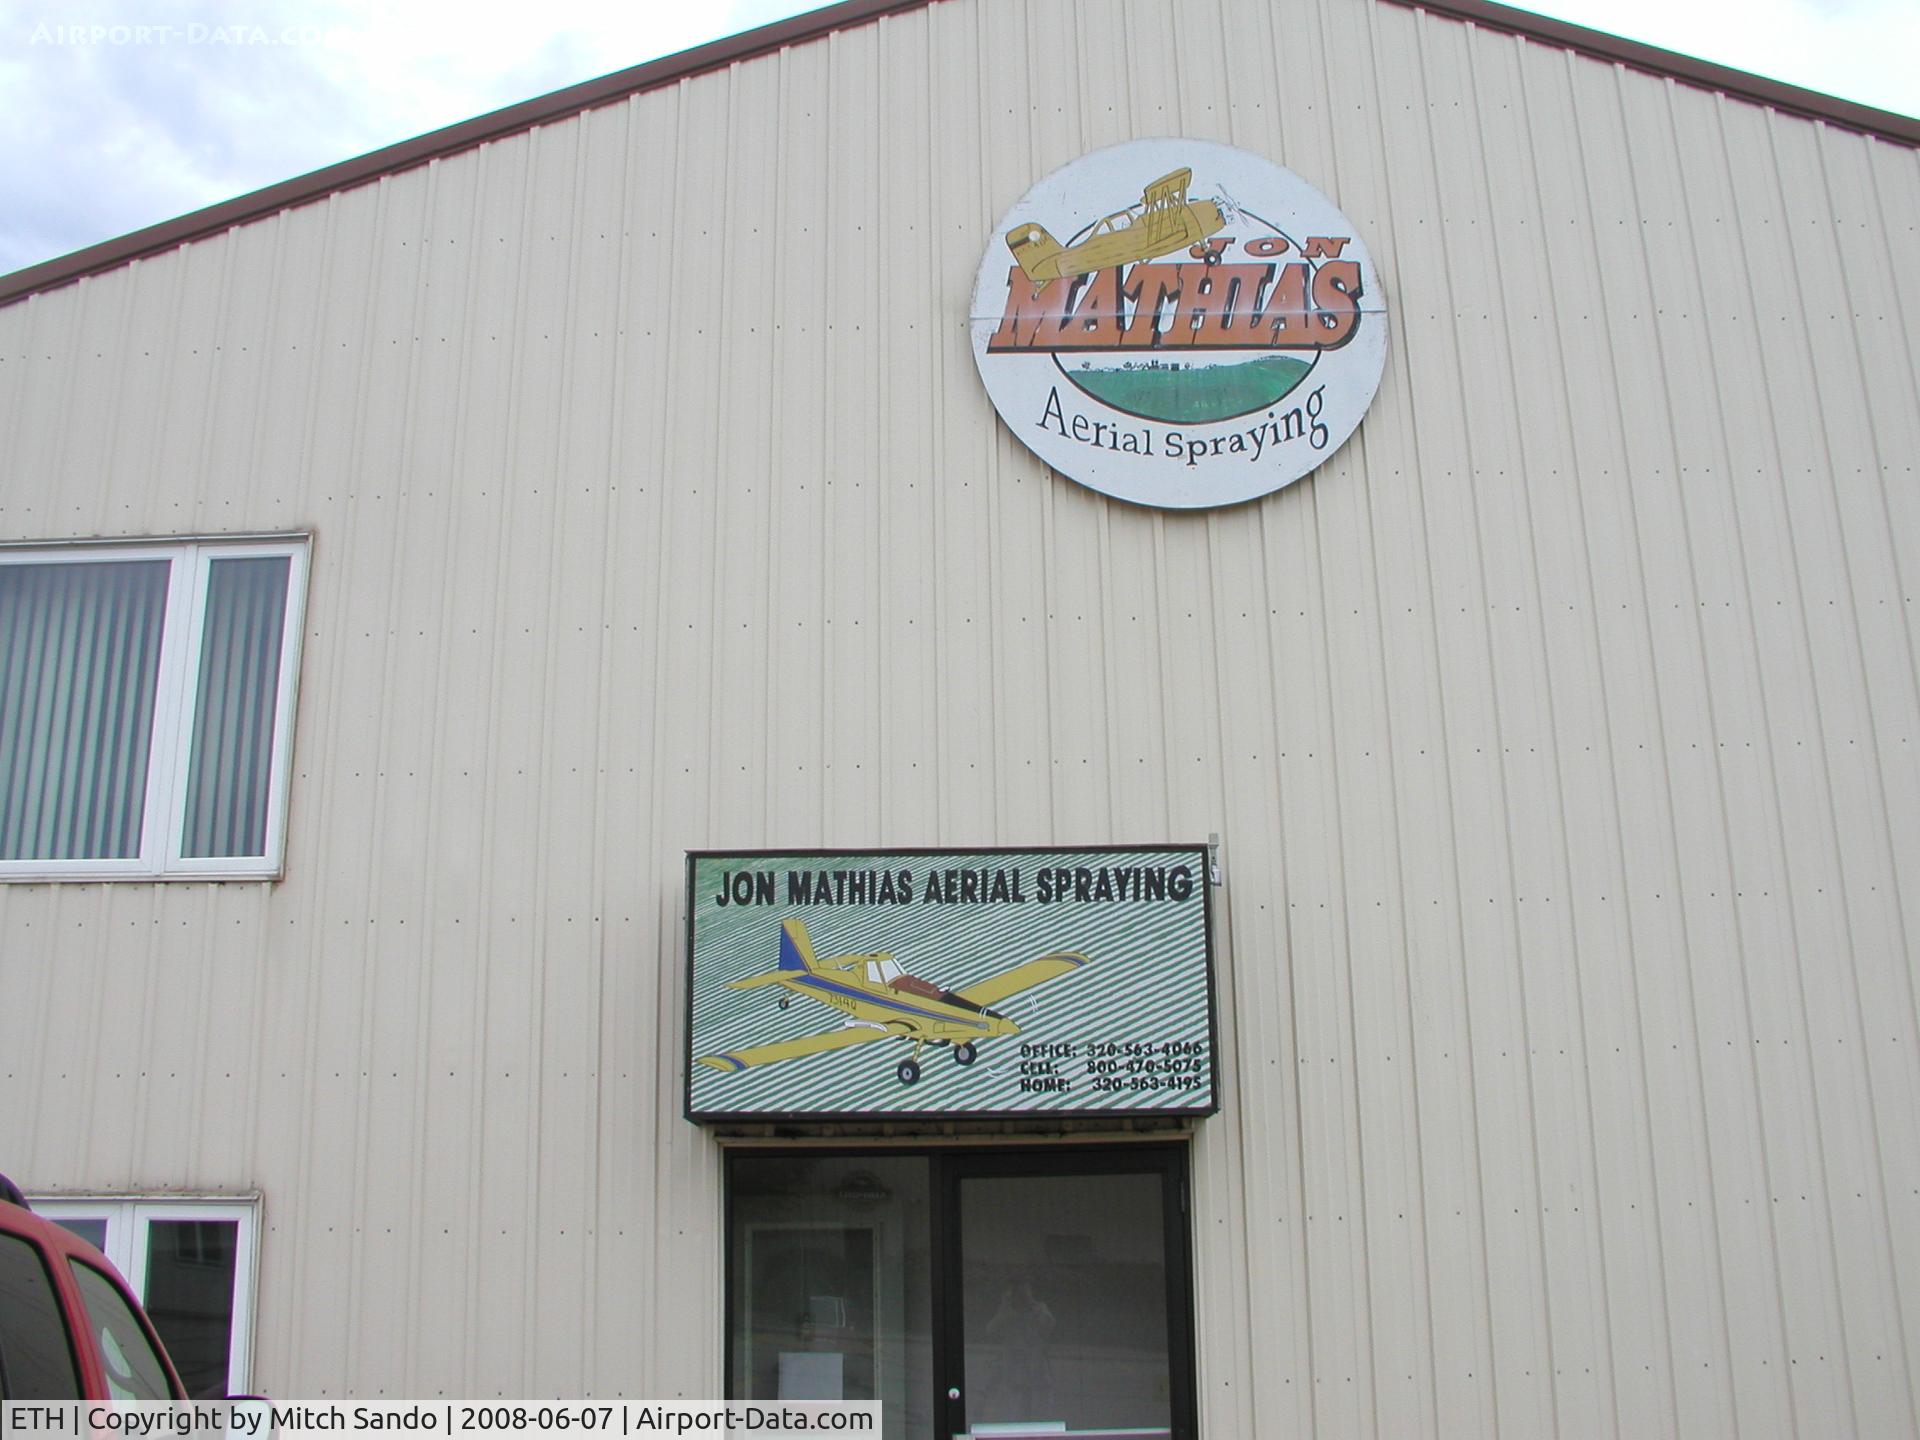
(947, 1166)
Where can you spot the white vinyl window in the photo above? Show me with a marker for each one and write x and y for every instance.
(146, 708)
(191, 1264)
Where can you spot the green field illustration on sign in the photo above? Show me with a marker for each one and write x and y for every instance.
(949, 983)
(1188, 393)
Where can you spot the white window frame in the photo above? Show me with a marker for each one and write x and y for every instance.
(129, 1221)
(176, 697)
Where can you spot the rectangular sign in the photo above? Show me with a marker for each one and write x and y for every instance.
(830, 985)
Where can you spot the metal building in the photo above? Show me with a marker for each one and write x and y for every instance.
(609, 479)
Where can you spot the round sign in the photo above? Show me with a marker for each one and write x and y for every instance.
(1178, 323)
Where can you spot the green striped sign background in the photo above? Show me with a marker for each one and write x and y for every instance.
(1147, 980)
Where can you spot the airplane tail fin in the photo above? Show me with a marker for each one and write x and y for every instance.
(1034, 249)
(796, 951)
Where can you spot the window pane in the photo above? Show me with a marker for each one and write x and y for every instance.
(189, 1298)
(79, 658)
(134, 1372)
(94, 1232)
(35, 1363)
(832, 1294)
(233, 719)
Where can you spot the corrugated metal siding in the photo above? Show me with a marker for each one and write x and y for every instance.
(1561, 731)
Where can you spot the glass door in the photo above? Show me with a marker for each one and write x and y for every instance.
(974, 1293)
(1067, 1309)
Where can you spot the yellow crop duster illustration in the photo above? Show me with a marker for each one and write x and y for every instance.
(1163, 220)
(881, 1002)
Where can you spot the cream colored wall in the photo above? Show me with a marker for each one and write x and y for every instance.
(1561, 730)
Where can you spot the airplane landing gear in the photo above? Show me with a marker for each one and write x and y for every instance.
(908, 1071)
(964, 1054)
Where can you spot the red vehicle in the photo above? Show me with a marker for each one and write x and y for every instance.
(69, 1327)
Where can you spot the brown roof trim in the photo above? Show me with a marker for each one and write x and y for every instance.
(1739, 84)
(609, 89)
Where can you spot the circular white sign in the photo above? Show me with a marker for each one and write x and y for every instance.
(1178, 323)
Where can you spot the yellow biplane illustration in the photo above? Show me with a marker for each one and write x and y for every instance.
(1163, 220)
(882, 1002)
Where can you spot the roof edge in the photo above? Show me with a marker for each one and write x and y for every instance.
(750, 44)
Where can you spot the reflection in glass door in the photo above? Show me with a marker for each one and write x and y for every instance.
(1063, 1289)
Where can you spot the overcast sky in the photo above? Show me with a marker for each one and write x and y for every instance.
(122, 113)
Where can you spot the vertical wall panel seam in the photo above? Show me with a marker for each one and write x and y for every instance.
(1876, 751)
(1454, 843)
(1879, 449)
(881, 344)
(1253, 1002)
(375, 873)
(1905, 331)
(548, 813)
(1724, 850)
(190, 1161)
(1362, 473)
(613, 456)
(1646, 1146)
(1297, 950)
(1396, 825)
(1105, 614)
(18, 352)
(339, 1375)
(222, 250)
(366, 887)
(1005, 462)
(1340, 902)
(1487, 651)
(438, 768)
(822, 592)
(320, 705)
(719, 447)
(1595, 1236)
(941, 559)
(1658, 712)
(44, 1056)
(42, 1052)
(39, 1048)
(53, 481)
(274, 230)
(1410, 382)
(769, 537)
(116, 388)
(522, 408)
(520, 177)
(148, 1133)
(1779, 847)
(667, 390)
